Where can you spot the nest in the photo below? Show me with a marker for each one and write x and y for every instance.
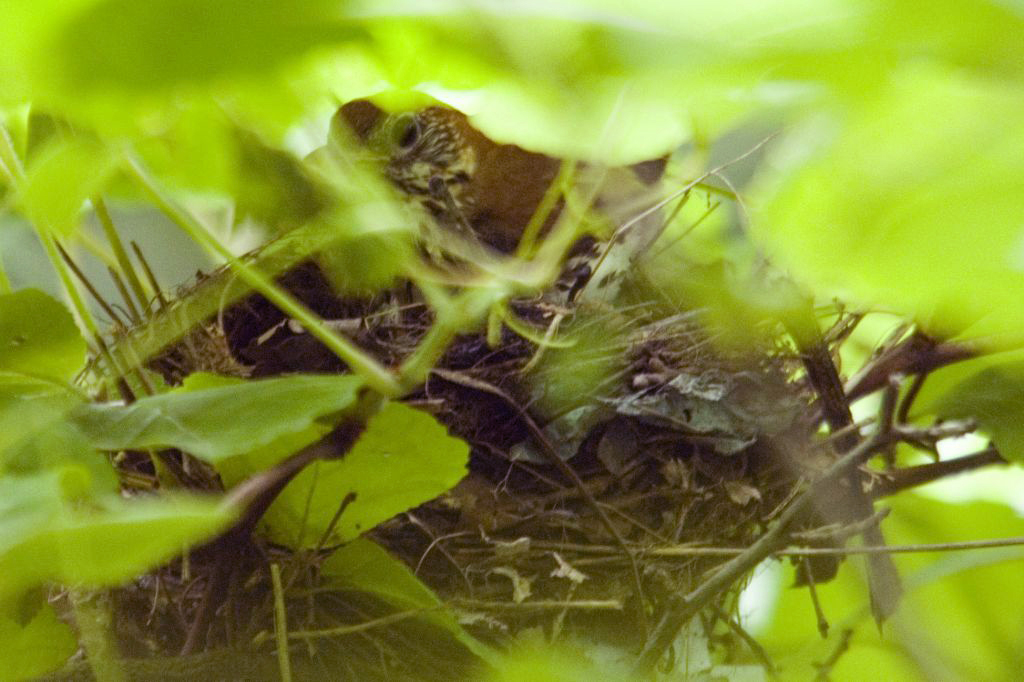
(580, 517)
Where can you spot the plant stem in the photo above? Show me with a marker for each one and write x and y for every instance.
(125, 265)
(280, 625)
(15, 170)
(376, 375)
(93, 618)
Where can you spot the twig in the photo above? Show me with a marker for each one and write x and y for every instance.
(755, 647)
(812, 589)
(284, 661)
(133, 311)
(911, 477)
(884, 585)
(540, 605)
(158, 293)
(908, 400)
(103, 215)
(918, 354)
(826, 666)
(102, 302)
(350, 629)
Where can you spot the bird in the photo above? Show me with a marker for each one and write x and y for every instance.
(491, 191)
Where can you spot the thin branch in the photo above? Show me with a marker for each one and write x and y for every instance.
(540, 605)
(359, 361)
(911, 477)
(826, 666)
(755, 647)
(284, 660)
(918, 354)
(121, 256)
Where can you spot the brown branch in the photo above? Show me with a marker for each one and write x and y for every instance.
(918, 354)
(912, 477)
(884, 584)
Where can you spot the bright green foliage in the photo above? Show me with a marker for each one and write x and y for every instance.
(953, 624)
(926, 219)
(404, 458)
(214, 422)
(59, 180)
(35, 645)
(955, 621)
(51, 531)
(894, 183)
(168, 42)
(38, 337)
(36, 435)
(40, 348)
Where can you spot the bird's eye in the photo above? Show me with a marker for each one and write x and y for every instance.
(406, 131)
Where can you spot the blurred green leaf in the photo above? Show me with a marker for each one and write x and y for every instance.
(35, 434)
(404, 458)
(540, 661)
(38, 337)
(955, 622)
(43, 538)
(915, 203)
(273, 187)
(151, 45)
(215, 422)
(233, 469)
(365, 566)
(952, 623)
(34, 648)
(61, 178)
(990, 389)
(369, 262)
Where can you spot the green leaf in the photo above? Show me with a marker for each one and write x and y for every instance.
(952, 622)
(60, 179)
(36, 647)
(35, 434)
(914, 203)
(104, 543)
(38, 337)
(365, 566)
(404, 458)
(368, 262)
(273, 187)
(215, 422)
(955, 618)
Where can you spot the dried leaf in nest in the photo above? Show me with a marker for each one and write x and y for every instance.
(728, 410)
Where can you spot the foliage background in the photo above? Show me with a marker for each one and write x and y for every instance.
(892, 181)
